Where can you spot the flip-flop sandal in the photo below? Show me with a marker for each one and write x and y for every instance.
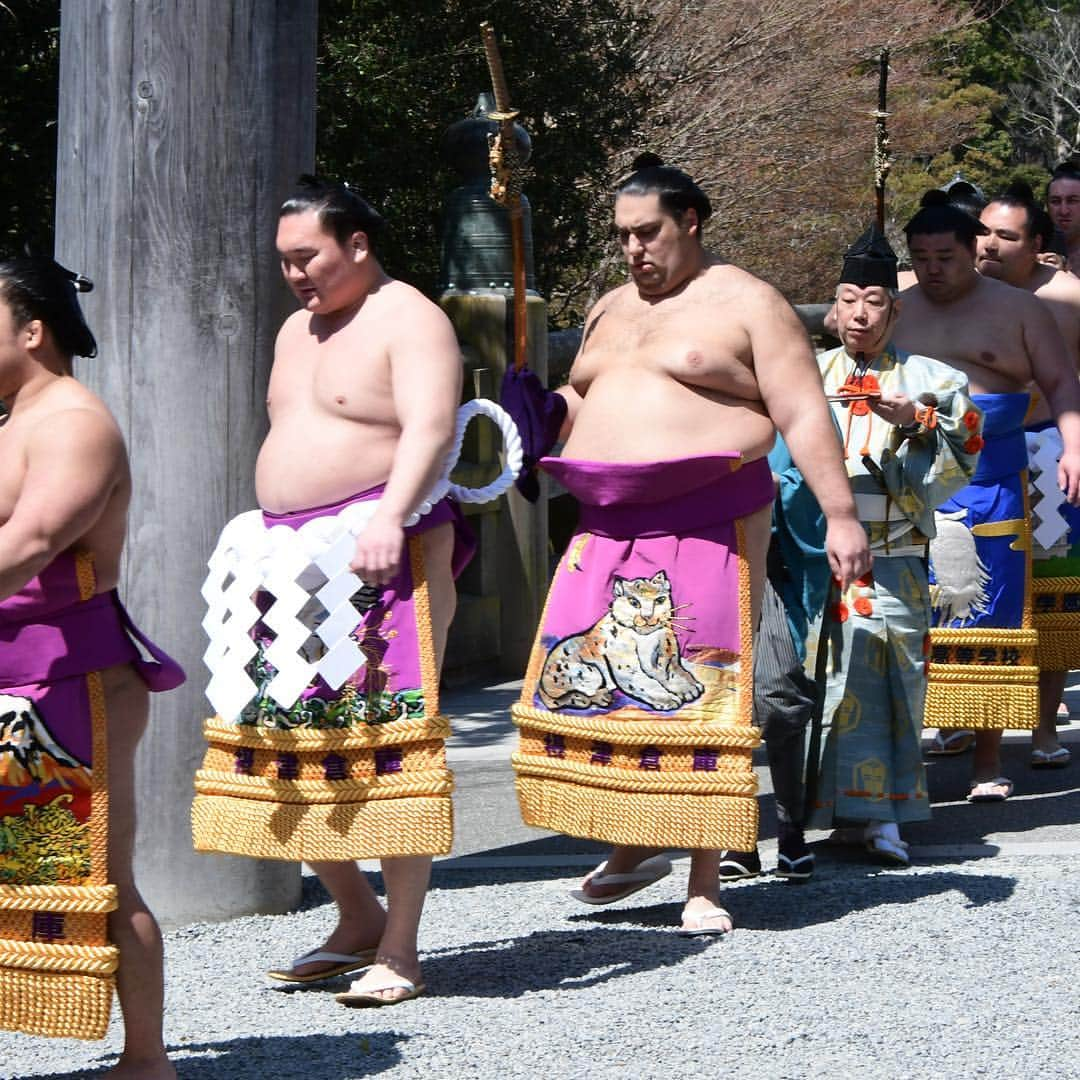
(343, 964)
(800, 869)
(697, 924)
(369, 999)
(647, 872)
(982, 791)
(955, 742)
(1056, 759)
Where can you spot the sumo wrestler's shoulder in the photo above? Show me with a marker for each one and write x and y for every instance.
(731, 286)
(73, 414)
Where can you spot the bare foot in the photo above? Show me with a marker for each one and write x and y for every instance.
(156, 1068)
(703, 916)
(388, 970)
(990, 789)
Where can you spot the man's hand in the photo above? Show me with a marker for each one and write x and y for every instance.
(895, 409)
(1069, 477)
(848, 550)
(378, 552)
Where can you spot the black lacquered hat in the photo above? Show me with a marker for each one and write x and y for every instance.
(870, 261)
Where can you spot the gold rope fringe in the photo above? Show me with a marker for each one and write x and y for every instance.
(1056, 620)
(330, 833)
(1059, 649)
(53, 956)
(429, 675)
(722, 782)
(402, 785)
(746, 628)
(709, 822)
(984, 706)
(988, 697)
(985, 674)
(1059, 631)
(1043, 585)
(396, 733)
(685, 730)
(69, 1006)
(58, 898)
(984, 636)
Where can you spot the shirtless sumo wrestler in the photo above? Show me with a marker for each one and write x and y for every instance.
(1001, 338)
(364, 391)
(1010, 252)
(65, 486)
(695, 356)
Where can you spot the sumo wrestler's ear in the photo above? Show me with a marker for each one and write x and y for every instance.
(34, 330)
(690, 221)
(358, 243)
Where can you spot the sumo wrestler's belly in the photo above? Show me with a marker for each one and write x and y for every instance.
(304, 464)
(650, 418)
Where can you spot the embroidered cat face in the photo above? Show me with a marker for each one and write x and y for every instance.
(642, 604)
(632, 648)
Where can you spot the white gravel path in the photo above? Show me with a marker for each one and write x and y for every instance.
(943, 970)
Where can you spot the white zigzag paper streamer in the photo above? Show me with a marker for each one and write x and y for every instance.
(299, 566)
(1049, 529)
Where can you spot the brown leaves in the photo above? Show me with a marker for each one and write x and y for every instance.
(770, 107)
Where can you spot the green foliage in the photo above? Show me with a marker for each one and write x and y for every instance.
(989, 69)
(393, 77)
(29, 66)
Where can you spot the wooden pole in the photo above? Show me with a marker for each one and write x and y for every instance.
(511, 196)
(882, 161)
(182, 125)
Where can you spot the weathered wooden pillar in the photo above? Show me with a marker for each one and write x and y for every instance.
(182, 124)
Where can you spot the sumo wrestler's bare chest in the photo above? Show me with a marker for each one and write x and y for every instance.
(353, 384)
(678, 342)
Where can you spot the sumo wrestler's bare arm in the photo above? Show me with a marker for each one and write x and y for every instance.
(73, 464)
(790, 385)
(425, 374)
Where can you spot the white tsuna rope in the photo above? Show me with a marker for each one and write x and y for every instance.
(511, 446)
(296, 564)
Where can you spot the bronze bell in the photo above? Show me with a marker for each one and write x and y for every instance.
(476, 249)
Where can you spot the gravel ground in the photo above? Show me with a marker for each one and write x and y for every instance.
(962, 969)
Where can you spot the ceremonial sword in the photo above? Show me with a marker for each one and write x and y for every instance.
(506, 177)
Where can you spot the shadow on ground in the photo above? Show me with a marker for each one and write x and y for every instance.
(1041, 798)
(313, 1057)
(544, 960)
(554, 960)
(773, 904)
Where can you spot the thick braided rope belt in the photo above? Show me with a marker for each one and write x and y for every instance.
(338, 800)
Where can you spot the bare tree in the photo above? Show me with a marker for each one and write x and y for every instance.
(1047, 103)
(769, 105)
